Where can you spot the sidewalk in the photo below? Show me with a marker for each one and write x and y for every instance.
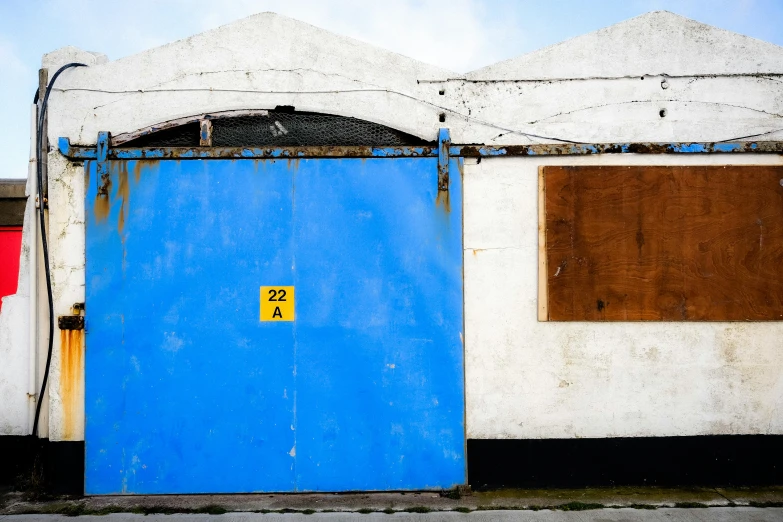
(718, 514)
(632, 502)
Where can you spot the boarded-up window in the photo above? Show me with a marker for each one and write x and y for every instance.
(661, 243)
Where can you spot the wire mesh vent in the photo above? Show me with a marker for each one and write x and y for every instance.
(281, 129)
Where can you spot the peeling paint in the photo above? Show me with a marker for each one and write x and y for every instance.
(466, 151)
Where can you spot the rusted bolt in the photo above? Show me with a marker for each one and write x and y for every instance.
(664, 84)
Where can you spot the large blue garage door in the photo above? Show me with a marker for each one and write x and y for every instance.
(273, 325)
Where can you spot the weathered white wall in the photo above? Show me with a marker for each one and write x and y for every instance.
(14, 352)
(66, 227)
(531, 379)
(20, 366)
(525, 379)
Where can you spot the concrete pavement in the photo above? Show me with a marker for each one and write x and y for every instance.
(626, 504)
(617, 497)
(715, 514)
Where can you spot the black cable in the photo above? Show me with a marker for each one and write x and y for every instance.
(334, 91)
(44, 242)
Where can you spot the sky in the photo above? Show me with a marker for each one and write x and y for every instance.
(460, 35)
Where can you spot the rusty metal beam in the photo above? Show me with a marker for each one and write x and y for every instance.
(582, 149)
(83, 153)
(560, 149)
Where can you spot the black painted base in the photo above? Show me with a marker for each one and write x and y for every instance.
(716, 460)
(29, 463)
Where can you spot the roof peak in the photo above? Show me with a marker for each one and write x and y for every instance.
(653, 43)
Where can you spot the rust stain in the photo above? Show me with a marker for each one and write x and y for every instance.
(292, 164)
(101, 207)
(71, 381)
(122, 194)
(650, 148)
(444, 199)
(140, 165)
(103, 200)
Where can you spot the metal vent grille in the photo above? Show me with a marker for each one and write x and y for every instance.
(281, 129)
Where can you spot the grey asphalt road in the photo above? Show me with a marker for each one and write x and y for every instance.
(717, 514)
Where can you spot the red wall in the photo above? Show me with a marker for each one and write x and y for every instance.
(10, 247)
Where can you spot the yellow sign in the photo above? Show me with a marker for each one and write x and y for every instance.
(277, 303)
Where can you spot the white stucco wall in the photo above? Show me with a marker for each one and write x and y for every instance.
(14, 345)
(524, 378)
(531, 379)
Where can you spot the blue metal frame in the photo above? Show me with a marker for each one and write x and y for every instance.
(444, 143)
(102, 157)
(466, 151)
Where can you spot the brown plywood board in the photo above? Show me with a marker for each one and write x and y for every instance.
(647, 243)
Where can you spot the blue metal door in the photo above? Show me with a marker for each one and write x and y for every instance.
(188, 391)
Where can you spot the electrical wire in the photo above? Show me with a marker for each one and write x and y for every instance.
(466, 117)
(333, 91)
(44, 242)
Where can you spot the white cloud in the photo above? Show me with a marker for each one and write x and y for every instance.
(14, 75)
(459, 34)
(11, 65)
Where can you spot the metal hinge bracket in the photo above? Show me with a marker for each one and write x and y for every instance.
(444, 142)
(102, 163)
(71, 322)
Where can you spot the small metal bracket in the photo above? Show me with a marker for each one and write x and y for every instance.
(102, 162)
(71, 322)
(444, 142)
(205, 135)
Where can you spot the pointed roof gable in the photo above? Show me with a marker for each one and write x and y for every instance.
(655, 43)
(266, 44)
